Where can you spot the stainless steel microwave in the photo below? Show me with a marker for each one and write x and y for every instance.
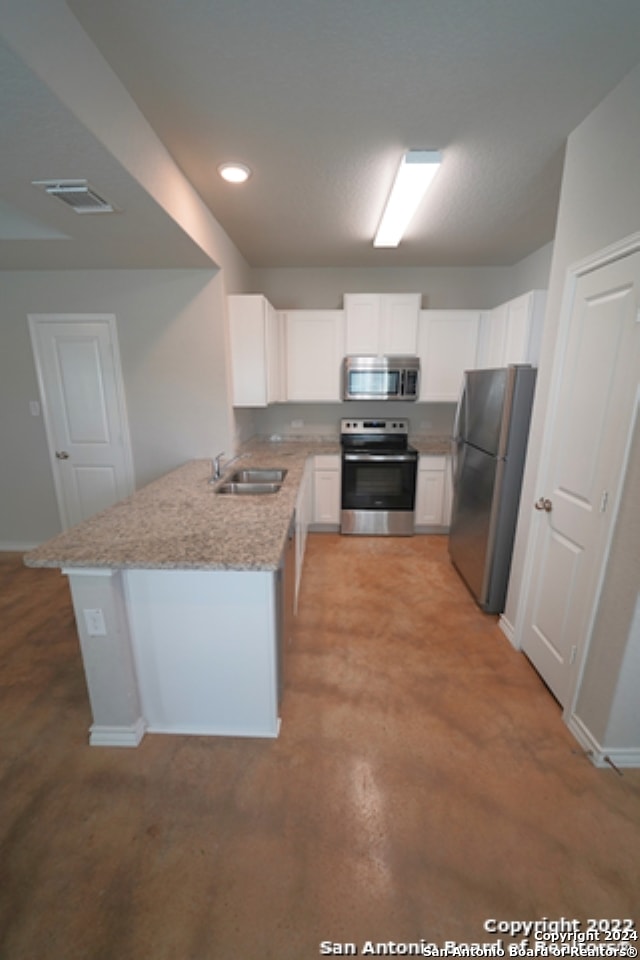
(381, 378)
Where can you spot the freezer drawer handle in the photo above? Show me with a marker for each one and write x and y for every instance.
(543, 504)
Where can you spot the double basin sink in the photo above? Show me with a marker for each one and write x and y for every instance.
(256, 481)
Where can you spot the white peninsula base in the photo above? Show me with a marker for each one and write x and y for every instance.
(182, 652)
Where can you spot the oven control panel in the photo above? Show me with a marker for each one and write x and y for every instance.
(375, 427)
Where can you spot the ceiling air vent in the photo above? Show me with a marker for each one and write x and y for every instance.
(78, 194)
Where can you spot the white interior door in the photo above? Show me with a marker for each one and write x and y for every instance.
(78, 367)
(595, 386)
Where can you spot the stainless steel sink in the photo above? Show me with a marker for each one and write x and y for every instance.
(254, 481)
(248, 488)
(258, 475)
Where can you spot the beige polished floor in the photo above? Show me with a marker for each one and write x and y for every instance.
(423, 782)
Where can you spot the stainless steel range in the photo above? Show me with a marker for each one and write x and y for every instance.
(378, 477)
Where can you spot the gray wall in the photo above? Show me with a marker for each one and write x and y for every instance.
(599, 205)
(443, 288)
(172, 335)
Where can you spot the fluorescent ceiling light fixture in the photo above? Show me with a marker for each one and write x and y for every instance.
(234, 172)
(416, 171)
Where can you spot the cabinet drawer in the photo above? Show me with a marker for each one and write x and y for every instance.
(429, 462)
(327, 461)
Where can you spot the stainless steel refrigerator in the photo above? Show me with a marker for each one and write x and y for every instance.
(489, 448)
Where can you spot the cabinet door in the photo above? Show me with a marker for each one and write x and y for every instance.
(516, 331)
(512, 332)
(326, 490)
(362, 323)
(255, 351)
(399, 323)
(447, 346)
(315, 347)
(523, 331)
(304, 506)
(379, 323)
(492, 338)
(275, 356)
(430, 492)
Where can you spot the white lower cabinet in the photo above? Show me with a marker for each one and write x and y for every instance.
(304, 516)
(326, 490)
(433, 496)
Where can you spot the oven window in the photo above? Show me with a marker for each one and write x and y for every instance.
(378, 486)
(378, 481)
(380, 383)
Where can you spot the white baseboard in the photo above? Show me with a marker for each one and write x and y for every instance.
(508, 629)
(16, 546)
(602, 756)
(102, 736)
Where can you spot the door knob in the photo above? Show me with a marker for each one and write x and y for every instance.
(62, 455)
(544, 504)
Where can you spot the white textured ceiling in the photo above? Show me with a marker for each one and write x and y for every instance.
(321, 98)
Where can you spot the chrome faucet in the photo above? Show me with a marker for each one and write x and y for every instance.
(216, 466)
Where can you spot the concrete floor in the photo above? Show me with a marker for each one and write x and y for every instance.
(423, 782)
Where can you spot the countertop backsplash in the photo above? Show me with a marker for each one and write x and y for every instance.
(309, 421)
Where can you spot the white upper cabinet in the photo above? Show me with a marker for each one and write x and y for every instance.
(381, 323)
(314, 350)
(297, 355)
(447, 346)
(256, 351)
(512, 333)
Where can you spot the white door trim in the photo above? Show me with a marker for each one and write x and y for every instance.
(616, 251)
(109, 320)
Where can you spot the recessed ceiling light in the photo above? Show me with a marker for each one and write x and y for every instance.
(415, 173)
(234, 172)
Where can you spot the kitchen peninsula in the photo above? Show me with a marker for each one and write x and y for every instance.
(175, 593)
(178, 594)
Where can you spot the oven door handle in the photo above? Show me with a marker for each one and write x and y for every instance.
(379, 457)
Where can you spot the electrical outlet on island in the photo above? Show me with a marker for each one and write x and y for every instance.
(94, 622)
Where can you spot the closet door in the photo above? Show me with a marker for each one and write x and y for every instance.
(590, 416)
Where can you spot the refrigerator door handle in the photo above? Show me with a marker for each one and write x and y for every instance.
(457, 437)
(455, 446)
(458, 417)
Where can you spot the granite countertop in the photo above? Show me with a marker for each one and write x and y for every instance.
(432, 445)
(179, 522)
